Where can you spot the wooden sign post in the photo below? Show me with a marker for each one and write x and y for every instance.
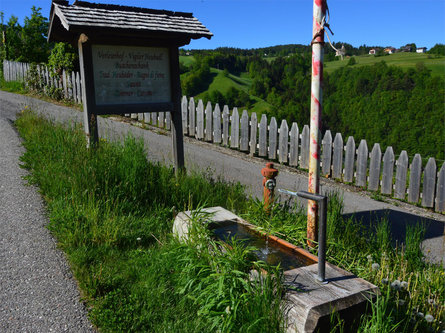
(129, 60)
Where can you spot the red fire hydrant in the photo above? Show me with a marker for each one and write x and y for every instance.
(269, 173)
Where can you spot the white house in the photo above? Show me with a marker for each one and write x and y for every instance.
(421, 50)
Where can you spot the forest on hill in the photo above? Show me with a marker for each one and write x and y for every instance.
(402, 108)
(394, 106)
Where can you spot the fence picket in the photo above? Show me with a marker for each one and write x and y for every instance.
(262, 149)
(217, 124)
(304, 157)
(326, 154)
(253, 133)
(154, 118)
(337, 161)
(192, 114)
(64, 84)
(294, 136)
(273, 129)
(200, 120)
(184, 115)
(146, 117)
(161, 119)
(234, 129)
(401, 173)
(362, 164)
(79, 88)
(209, 121)
(73, 86)
(374, 168)
(388, 171)
(244, 138)
(168, 120)
(283, 142)
(440, 190)
(429, 183)
(226, 119)
(348, 175)
(415, 171)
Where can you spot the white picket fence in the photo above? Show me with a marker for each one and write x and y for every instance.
(262, 137)
(70, 83)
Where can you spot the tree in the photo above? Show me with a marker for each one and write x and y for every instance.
(13, 43)
(2, 37)
(63, 57)
(437, 49)
(27, 43)
(34, 37)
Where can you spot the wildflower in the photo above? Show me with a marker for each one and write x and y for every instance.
(395, 285)
(138, 239)
(385, 281)
(375, 266)
(420, 315)
(369, 258)
(429, 318)
(228, 309)
(404, 285)
(401, 302)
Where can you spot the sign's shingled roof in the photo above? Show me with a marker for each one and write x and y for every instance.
(91, 15)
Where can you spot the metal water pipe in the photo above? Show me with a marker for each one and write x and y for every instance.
(269, 174)
(322, 200)
(319, 20)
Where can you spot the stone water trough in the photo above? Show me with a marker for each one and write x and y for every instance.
(308, 303)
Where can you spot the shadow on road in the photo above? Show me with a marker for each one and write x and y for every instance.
(397, 223)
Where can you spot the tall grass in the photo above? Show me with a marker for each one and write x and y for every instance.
(111, 211)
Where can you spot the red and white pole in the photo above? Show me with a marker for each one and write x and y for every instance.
(319, 17)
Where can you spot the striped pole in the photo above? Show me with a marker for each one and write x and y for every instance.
(319, 16)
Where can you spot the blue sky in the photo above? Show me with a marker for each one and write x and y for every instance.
(259, 23)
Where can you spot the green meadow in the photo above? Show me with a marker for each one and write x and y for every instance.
(403, 60)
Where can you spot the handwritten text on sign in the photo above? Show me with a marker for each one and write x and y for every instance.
(131, 75)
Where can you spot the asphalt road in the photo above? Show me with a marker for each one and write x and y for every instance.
(37, 290)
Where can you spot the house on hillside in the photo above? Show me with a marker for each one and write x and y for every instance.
(421, 50)
(390, 50)
(373, 51)
(405, 49)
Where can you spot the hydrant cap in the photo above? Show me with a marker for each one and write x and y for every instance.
(269, 171)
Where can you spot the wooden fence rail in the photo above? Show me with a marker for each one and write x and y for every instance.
(262, 137)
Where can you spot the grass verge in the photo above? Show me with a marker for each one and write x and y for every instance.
(111, 212)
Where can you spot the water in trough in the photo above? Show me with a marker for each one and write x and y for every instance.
(268, 251)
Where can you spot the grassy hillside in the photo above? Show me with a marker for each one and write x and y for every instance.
(243, 82)
(403, 60)
(222, 82)
(187, 60)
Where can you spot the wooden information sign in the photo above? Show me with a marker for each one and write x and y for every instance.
(126, 75)
(129, 60)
